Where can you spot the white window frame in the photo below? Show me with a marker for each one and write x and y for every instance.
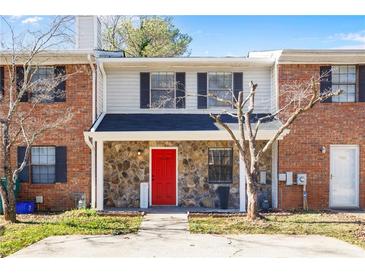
(37, 70)
(208, 89)
(31, 165)
(174, 89)
(336, 99)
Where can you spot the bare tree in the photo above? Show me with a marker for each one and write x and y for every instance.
(295, 98)
(19, 122)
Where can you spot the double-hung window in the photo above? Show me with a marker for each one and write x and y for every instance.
(220, 165)
(163, 91)
(43, 82)
(344, 78)
(43, 163)
(220, 89)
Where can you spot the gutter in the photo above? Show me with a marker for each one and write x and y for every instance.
(264, 61)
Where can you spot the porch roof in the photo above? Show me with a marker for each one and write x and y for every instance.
(169, 127)
(166, 122)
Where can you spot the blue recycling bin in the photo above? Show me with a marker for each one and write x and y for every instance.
(25, 207)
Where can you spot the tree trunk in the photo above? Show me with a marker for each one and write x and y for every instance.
(9, 197)
(9, 212)
(252, 208)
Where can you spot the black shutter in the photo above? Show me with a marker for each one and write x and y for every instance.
(326, 81)
(24, 174)
(19, 83)
(2, 81)
(60, 90)
(237, 83)
(202, 90)
(61, 164)
(180, 89)
(145, 90)
(362, 83)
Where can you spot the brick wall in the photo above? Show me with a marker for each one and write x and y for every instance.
(325, 124)
(60, 196)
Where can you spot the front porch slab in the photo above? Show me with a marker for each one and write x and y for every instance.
(171, 210)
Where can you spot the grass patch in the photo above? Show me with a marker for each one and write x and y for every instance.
(33, 228)
(346, 227)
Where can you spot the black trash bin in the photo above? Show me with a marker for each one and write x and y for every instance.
(223, 194)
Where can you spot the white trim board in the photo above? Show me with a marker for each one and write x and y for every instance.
(150, 174)
(213, 135)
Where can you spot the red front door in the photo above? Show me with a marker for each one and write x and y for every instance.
(163, 177)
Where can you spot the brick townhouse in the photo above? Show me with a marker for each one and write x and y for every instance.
(120, 150)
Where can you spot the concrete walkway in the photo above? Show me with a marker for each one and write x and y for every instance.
(167, 235)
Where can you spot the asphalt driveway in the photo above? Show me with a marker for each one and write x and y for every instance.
(166, 235)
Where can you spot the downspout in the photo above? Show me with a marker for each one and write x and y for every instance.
(93, 86)
(101, 65)
(89, 141)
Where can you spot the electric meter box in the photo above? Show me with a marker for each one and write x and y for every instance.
(289, 178)
(301, 179)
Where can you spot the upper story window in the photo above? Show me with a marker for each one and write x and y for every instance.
(344, 78)
(220, 165)
(163, 92)
(48, 84)
(43, 78)
(220, 89)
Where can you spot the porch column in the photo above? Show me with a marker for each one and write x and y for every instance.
(274, 174)
(242, 185)
(93, 181)
(100, 175)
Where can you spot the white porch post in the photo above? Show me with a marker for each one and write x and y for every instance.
(242, 185)
(274, 174)
(93, 183)
(100, 175)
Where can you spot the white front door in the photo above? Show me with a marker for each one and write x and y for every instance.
(344, 176)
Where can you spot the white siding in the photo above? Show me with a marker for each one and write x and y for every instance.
(191, 84)
(261, 77)
(99, 93)
(98, 34)
(123, 90)
(274, 88)
(85, 35)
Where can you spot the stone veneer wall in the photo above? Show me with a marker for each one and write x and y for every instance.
(124, 170)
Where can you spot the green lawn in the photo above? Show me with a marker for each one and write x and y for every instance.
(33, 228)
(346, 227)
